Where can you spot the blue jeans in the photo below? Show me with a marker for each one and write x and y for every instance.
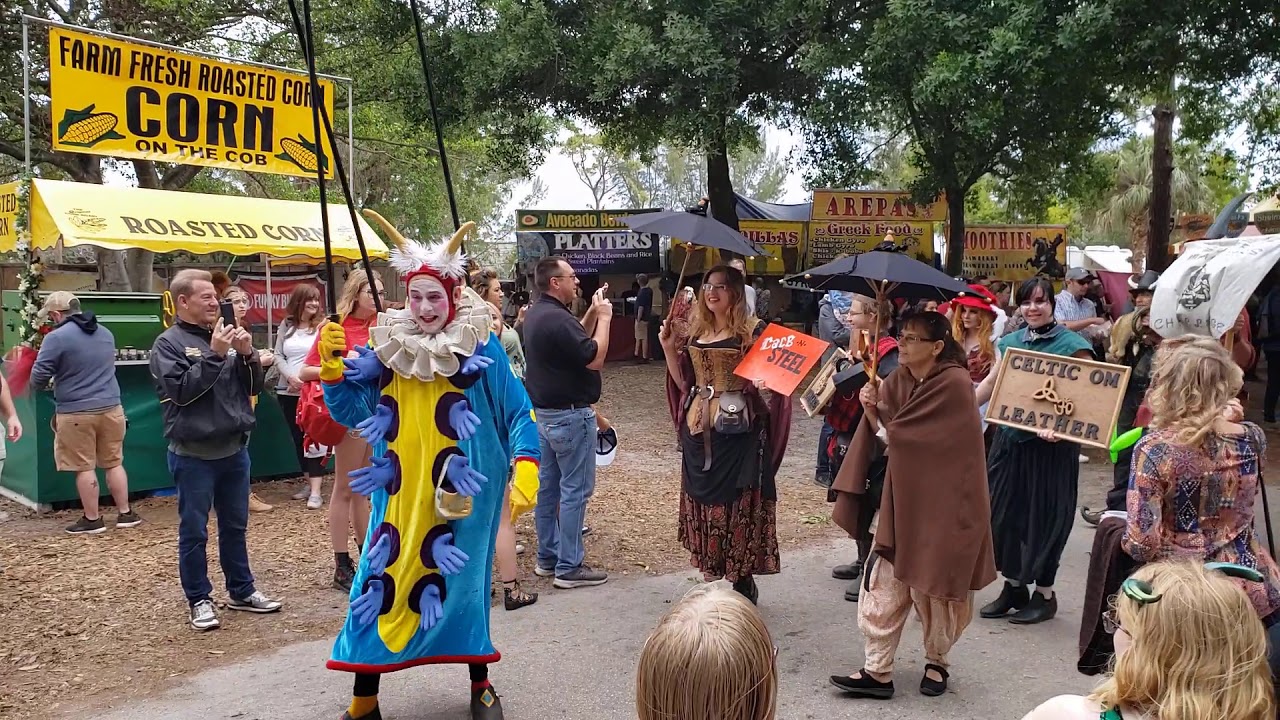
(222, 485)
(566, 480)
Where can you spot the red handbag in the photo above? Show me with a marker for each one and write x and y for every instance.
(318, 427)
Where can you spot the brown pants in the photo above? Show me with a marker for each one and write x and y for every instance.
(882, 614)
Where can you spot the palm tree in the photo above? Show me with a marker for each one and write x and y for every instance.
(1126, 205)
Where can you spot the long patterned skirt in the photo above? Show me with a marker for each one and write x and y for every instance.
(731, 541)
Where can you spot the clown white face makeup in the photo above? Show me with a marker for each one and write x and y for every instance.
(430, 304)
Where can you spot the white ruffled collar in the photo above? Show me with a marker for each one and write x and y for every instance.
(402, 346)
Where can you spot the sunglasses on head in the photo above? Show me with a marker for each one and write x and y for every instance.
(1143, 593)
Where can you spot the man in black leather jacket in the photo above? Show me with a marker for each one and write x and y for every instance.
(206, 373)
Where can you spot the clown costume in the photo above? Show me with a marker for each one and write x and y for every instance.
(435, 397)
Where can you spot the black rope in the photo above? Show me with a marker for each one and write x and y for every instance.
(435, 112)
(342, 177)
(304, 31)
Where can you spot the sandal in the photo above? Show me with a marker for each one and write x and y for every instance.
(931, 687)
(513, 598)
(861, 684)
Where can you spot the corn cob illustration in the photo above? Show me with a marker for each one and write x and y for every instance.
(85, 128)
(301, 152)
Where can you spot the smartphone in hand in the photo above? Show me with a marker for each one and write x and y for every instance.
(228, 312)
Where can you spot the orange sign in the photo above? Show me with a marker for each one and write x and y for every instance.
(782, 358)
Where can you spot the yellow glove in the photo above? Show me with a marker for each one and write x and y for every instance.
(332, 347)
(524, 487)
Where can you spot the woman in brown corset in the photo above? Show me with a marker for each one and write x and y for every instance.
(732, 436)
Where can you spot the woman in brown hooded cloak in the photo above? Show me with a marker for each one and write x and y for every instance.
(932, 546)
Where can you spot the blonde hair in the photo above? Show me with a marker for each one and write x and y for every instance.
(1192, 380)
(710, 657)
(356, 282)
(1198, 653)
(742, 323)
(986, 320)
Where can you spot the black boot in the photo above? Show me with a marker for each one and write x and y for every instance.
(746, 587)
(851, 594)
(344, 573)
(852, 571)
(485, 704)
(1011, 598)
(1037, 610)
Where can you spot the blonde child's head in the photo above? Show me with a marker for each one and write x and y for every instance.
(1199, 651)
(710, 657)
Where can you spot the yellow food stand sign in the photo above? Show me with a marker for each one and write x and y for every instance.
(848, 222)
(1015, 252)
(785, 243)
(136, 101)
(9, 216)
(119, 218)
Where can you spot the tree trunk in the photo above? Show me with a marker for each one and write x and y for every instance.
(1161, 183)
(724, 205)
(955, 232)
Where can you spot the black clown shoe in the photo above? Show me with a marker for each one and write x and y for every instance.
(485, 704)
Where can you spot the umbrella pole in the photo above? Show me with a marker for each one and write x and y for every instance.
(873, 377)
(684, 267)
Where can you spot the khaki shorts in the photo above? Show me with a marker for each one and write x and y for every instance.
(642, 329)
(83, 441)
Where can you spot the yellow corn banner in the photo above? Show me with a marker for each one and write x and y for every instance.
(9, 216)
(1015, 252)
(136, 101)
(784, 242)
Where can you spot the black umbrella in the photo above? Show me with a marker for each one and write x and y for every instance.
(883, 276)
(692, 229)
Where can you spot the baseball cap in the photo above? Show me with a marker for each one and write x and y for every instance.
(606, 447)
(1080, 274)
(57, 301)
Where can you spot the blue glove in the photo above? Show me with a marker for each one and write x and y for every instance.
(466, 479)
(448, 557)
(363, 369)
(432, 608)
(463, 421)
(476, 362)
(376, 558)
(374, 428)
(375, 476)
(365, 609)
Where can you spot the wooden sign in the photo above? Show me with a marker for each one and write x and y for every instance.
(1077, 399)
(823, 387)
(781, 357)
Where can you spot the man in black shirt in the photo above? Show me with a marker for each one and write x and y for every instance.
(563, 378)
(644, 312)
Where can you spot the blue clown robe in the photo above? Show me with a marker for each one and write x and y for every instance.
(419, 444)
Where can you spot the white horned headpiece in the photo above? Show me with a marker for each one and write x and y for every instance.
(443, 260)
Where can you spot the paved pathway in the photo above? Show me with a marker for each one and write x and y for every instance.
(573, 655)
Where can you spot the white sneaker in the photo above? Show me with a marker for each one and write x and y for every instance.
(315, 502)
(255, 603)
(203, 618)
(303, 493)
(1084, 459)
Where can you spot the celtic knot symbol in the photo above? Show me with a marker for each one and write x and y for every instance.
(1062, 405)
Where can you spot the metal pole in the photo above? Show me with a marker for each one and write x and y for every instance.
(271, 314)
(351, 145)
(435, 113)
(176, 48)
(26, 98)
